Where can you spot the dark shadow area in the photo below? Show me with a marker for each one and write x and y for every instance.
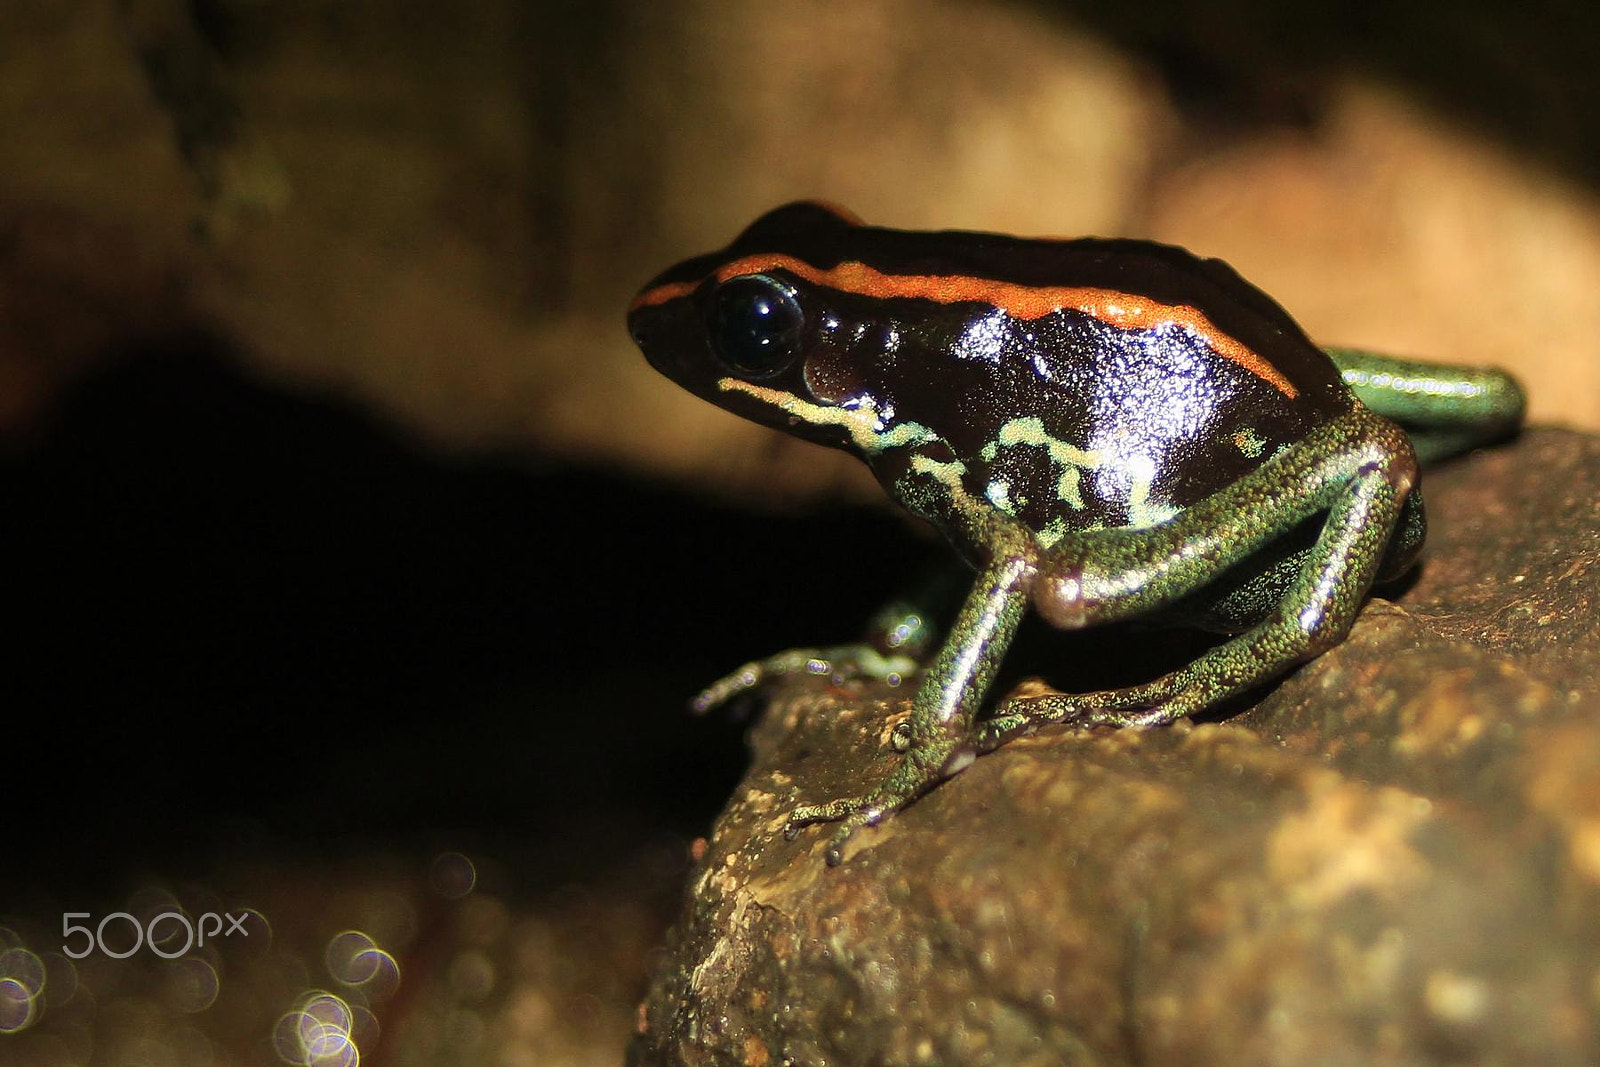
(247, 620)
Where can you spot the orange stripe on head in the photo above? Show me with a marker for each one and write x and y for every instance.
(662, 293)
(1125, 311)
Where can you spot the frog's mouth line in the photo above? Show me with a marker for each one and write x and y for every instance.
(864, 425)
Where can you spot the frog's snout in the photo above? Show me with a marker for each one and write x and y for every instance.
(648, 332)
(639, 330)
(669, 344)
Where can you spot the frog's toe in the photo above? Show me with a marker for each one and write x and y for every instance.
(866, 816)
(1000, 729)
(1018, 718)
(851, 813)
(806, 814)
(754, 675)
(863, 661)
(726, 688)
(841, 663)
(1120, 708)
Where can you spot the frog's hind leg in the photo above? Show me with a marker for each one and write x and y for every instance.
(1359, 472)
(1446, 410)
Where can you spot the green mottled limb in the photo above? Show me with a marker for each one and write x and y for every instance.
(1103, 575)
(1446, 410)
(1316, 612)
(938, 740)
(897, 641)
(839, 662)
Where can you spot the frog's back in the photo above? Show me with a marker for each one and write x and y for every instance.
(1252, 327)
(1126, 381)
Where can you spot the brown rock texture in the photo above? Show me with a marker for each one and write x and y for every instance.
(1393, 857)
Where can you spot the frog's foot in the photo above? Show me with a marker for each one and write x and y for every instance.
(1143, 705)
(840, 663)
(851, 813)
(923, 767)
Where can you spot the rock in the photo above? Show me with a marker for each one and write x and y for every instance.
(1393, 857)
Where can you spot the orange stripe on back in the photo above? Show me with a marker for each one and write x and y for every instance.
(1125, 311)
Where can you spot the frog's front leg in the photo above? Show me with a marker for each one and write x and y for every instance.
(843, 662)
(939, 739)
(896, 645)
(1358, 470)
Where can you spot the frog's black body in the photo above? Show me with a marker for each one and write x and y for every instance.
(1103, 428)
(1158, 395)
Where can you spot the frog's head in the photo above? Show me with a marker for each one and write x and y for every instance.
(748, 328)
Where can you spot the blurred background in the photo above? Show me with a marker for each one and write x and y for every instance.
(359, 570)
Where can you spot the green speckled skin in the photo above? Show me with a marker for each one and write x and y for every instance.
(1104, 430)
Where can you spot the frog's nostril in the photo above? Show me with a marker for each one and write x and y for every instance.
(637, 331)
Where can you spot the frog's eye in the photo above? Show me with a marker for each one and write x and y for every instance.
(754, 324)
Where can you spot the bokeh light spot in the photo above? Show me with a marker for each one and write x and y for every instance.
(254, 934)
(25, 968)
(22, 982)
(192, 984)
(61, 979)
(471, 976)
(317, 1033)
(354, 959)
(453, 875)
(16, 1006)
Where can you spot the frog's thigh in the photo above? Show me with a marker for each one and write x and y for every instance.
(1099, 577)
(1319, 607)
(1368, 493)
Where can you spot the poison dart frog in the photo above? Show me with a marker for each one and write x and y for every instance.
(1103, 429)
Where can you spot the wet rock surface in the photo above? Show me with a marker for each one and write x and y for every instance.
(1393, 857)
